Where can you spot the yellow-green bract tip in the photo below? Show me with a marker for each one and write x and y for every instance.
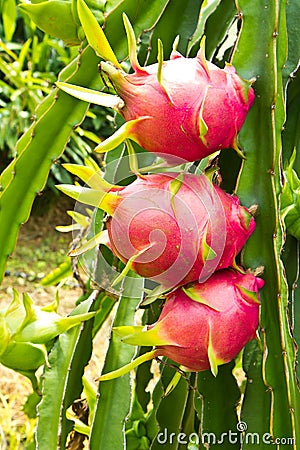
(94, 34)
(128, 367)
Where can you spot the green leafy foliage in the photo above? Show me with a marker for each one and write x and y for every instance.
(9, 16)
(22, 88)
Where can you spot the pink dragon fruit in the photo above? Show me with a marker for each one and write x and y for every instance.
(184, 107)
(176, 228)
(203, 325)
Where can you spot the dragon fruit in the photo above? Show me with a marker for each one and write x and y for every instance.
(177, 228)
(173, 228)
(184, 107)
(202, 326)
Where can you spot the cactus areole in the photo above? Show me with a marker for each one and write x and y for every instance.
(176, 228)
(204, 325)
(184, 107)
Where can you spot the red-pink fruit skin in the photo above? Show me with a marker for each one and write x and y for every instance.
(186, 324)
(174, 110)
(147, 212)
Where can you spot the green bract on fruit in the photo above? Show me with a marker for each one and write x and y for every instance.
(203, 325)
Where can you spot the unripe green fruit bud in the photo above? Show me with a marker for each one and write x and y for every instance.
(4, 335)
(54, 17)
(26, 330)
(23, 356)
